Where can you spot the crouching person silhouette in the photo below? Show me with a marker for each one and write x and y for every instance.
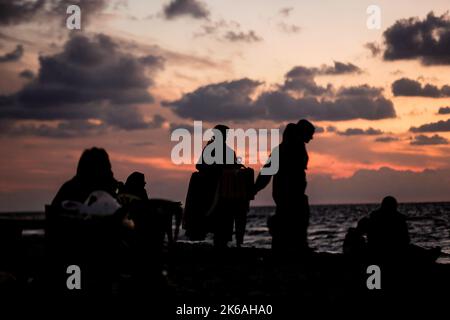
(388, 238)
(289, 225)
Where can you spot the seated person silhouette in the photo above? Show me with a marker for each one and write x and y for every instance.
(388, 237)
(135, 186)
(146, 214)
(93, 173)
(355, 243)
(288, 226)
(72, 238)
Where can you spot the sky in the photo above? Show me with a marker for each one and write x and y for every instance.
(137, 70)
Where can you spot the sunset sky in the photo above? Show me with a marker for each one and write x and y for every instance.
(139, 69)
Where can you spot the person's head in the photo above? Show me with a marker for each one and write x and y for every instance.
(94, 164)
(290, 133)
(389, 203)
(305, 130)
(222, 130)
(135, 181)
(363, 225)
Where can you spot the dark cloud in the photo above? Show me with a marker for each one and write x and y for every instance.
(444, 110)
(413, 88)
(427, 40)
(12, 56)
(285, 12)
(361, 90)
(13, 12)
(235, 100)
(90, 79)
(331, 129)
(280, 105)
(374, 48)
(192, 8)
(422, 140)
(228, 100)
(440, 126)
(26, 74)
(289, 28)
(386, 139)
(302, 78)
(339, 68)
(239, 36)
(17, 11)
(360, 132)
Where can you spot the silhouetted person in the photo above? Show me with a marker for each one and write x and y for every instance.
(90, 243)
(388, 237)
(355, 244)
(289, 224)
(214, 202)
(93, 173)
(135, 185)
(387, 231)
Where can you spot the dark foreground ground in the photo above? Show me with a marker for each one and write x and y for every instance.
(198, 275)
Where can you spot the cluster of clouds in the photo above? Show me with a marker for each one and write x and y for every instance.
(222, 30)
(440, 126)
(444, 110)
(299, 96)
(427, 40)
(90, 86)
(358, 132)
(412, 88)
(191, 8)
(93, 85)
(15, 12)
(423, 140)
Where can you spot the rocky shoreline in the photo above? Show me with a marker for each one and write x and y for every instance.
(198, 273)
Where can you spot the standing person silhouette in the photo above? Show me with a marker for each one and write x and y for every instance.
(207, 208)
(288, 226)
(220, 212)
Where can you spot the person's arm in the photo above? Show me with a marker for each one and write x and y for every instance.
(263, 180)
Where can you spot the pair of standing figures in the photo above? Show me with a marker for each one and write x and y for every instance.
(219, 193)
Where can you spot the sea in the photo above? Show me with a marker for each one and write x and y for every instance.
(428, 223)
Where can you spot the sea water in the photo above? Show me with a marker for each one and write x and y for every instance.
(428, 223)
